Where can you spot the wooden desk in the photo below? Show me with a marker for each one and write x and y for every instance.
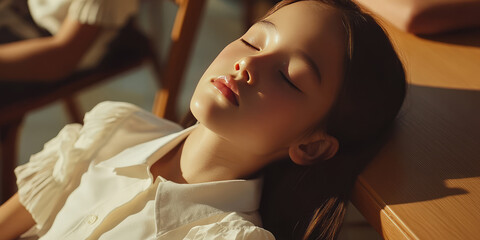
(425, 182)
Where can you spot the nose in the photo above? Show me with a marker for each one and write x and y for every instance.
(242, 68)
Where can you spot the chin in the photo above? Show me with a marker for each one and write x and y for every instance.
(203, 110)
(196, 109)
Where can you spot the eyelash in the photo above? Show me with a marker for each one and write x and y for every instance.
(281, 73)
(249, 45)
(289, 82)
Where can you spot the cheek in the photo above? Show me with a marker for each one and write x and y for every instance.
(225, 60)
(273, 122)
(203, 100)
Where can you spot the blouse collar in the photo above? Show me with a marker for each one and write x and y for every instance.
(180, 204)
(143, 155)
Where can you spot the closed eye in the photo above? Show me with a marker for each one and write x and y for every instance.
(289, 82)
(249, 45)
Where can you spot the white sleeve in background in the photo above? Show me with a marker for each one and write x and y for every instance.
(111, 15)
(50, 14)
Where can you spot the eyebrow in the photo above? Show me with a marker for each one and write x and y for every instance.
(310, 63)
(268, 24)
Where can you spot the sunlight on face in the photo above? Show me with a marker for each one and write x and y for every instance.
(279, 79)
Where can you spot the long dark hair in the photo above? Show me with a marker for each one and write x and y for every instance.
(310, 202)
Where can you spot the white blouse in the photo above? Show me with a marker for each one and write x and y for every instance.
(110, 14)
(94, 182)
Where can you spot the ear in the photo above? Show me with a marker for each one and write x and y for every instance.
(317, 147)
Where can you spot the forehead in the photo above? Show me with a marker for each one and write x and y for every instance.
(314, 28)
(309, 18)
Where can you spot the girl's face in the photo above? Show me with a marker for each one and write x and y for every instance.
(279, 79)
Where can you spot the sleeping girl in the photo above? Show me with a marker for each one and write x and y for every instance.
(307, 83)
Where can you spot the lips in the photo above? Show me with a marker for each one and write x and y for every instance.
(227, 87)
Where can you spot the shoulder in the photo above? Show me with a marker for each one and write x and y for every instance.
(112, 107)
(110, 113)
(121, 125)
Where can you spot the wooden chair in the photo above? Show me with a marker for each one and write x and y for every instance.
(183, 33)
(20, 99)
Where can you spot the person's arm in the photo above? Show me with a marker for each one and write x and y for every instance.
(48, 58)
(14, 219)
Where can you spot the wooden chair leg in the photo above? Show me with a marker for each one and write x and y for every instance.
(183, 34)
(73, 110)
(9, 134)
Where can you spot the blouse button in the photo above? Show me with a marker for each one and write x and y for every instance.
(92, 219)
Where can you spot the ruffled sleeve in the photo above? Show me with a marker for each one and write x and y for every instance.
(107, 13)
(52, 174)
(237, 229)
(50, 14)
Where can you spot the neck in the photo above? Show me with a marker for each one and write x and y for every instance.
(205, 157)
